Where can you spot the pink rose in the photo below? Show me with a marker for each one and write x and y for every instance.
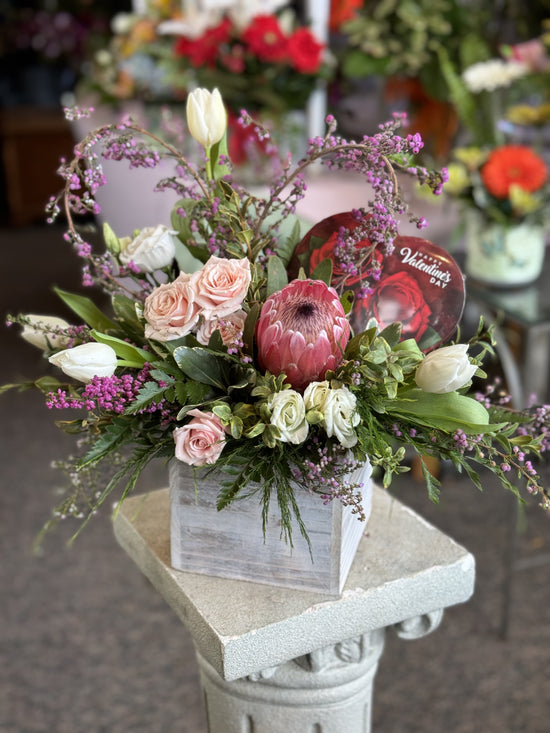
(201, 441)
(170, 310)
(230, 327)
(221, 286)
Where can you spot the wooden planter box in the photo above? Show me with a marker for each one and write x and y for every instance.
(230, 543)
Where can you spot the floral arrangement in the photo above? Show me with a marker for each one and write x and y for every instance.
(508, 184)
(260, 57)
(214, 354)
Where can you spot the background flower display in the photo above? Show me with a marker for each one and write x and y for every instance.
(259, 55)
(504, 193)
(213, 354)
(507, 184)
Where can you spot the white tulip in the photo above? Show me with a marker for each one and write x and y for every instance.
(445, 370)
(152, 249)
(86, 361)
(37, 332)
(206, 116)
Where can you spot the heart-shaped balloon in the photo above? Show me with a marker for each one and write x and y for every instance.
(420, 284)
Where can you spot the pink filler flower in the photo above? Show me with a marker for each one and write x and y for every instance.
(302, 331)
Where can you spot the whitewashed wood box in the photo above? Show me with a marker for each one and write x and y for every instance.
(230, 543)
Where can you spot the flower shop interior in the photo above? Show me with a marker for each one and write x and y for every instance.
(92, 637)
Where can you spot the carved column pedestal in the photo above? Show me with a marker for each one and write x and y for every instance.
(327, 691)
(285, 661)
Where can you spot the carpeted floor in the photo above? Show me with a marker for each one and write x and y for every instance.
(88, 646)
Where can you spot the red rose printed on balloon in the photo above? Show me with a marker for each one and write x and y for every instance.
(399, 298)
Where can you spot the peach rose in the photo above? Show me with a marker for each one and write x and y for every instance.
(170, 310)
(230, 327)
(201, 441)
(221, 286)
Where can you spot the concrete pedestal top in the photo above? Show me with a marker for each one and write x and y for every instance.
(405, 568)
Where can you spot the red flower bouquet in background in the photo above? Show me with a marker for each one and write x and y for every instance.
(269, 63)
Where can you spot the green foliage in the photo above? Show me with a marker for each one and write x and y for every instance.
(87, 310)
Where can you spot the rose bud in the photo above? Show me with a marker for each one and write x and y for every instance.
(445, 369)
(152, 249)
(206, 116)
(86, 361)
(201, 441)
(302, 331)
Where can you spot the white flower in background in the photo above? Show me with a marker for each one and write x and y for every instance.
(86, 361)
(445, 369)
(193, 24)
(493, 74)
(37, 331)
(103, 57)
(242, 12)
(122, 23)
(152, 249)
(206, 116)
(340, 416)
(288, 413)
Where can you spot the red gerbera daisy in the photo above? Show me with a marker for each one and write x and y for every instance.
(513, 164)
(305, 51)
(265, 38)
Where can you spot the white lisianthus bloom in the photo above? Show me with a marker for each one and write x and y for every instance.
(86, 361)
(288, 413)
(445, 370)
(486, 76)
(152, 249)
(206, 116)
(340, 416)
(37, 331)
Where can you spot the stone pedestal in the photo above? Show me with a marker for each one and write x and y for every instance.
(282, 660)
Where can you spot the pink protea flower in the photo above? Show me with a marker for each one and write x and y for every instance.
(302, 331)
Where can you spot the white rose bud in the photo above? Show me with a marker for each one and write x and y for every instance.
(315, 395)
(86, 361)
(206, 116)
(34, 332)
(288, 413)
(340, 416)
(445, 369)
(152, 249)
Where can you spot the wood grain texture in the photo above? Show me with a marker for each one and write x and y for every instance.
(231, 544)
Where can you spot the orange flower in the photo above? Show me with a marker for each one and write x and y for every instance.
(341, 11)
(513, 164)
